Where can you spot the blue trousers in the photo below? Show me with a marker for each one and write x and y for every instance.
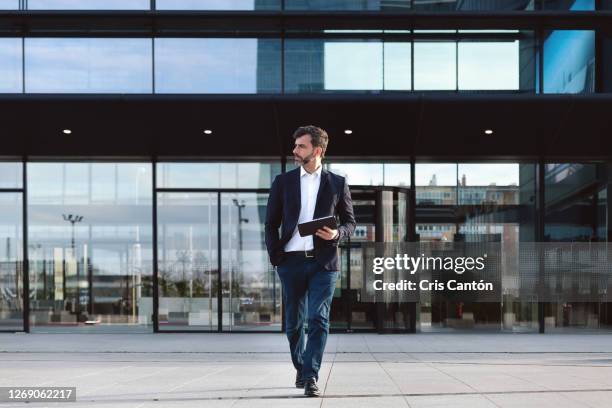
(307, 294)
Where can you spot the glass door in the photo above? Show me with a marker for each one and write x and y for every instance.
(188, 273)
(382, 215)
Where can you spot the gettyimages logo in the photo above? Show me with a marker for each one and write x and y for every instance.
(405, 262)
(401, 271)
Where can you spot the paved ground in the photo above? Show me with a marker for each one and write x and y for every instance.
(254, 370)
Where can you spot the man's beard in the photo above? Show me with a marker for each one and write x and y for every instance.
(300, 162)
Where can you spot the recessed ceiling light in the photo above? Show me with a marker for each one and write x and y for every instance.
(348, 131)
(67, 131)
(488, 131)
(208, 131)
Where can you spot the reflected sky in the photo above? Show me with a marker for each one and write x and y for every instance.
(434, 66)
(217, 5)
(89, 4)
(208, 65)
(88, 65)
(11, 175)
(251, 65)
(216, 175)
(10, 65)
(476, 174)
(488, 65)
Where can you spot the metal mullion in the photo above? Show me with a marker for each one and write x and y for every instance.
(219, 267)
(26, 267)
(155, 254)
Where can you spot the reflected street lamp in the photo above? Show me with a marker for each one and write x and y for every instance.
(74, 219)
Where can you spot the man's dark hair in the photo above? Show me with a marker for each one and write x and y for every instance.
(318, 136)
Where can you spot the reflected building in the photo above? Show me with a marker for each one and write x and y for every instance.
(165, 131)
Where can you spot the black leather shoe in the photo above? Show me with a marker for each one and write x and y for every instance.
(299, 381)
(310, 388)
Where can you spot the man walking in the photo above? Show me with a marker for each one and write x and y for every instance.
(308, 267)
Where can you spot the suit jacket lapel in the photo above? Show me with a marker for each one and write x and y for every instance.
(322, 186)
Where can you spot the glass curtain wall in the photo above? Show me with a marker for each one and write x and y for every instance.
(577, 210)
(11, 247)
(213, 266)
(90, 246)
(405, 61)
(478, 202)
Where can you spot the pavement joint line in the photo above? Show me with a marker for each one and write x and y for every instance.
(341, 396)
(283, 352)
(339, 362)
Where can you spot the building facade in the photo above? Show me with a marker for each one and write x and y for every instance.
(141, 138)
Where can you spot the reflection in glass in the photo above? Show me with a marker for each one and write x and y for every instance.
(11, 175)
(435, 65)
(488, 65)
(316, 65)
(460, 5)
(217, 175)
(488, 183)
(397, 66)
(217, 65)
(353, 65)
(187, 261)
(93, 274)
(10, 65)
(569, 61)
(88, 65)
(11, 261)
(436, 183)
(576, 206)
(89, 4)
(9, 4)
(251, 288)
(495, 203)
(348, 5)
(372, 174)
(572, 5)
(218, 4)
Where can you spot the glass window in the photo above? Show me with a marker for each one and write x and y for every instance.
(89, 4)
(397, 66)
(90, 236)
(488, 65)
(88, 65)
(572, 5)
(435, 65)
(218, 4)
(350, 5)
(217, 65)
(11, 262)
(216, 175)
(372, 174)
(9, 4)
(352, 65)
(436, 183)
(11, 175)
(460, 5)
(569, 61)
(10, 65)
(490, 183)
(346, 65)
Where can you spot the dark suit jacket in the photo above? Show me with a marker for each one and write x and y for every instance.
(333, 198)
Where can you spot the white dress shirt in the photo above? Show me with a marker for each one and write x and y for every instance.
(309, 188)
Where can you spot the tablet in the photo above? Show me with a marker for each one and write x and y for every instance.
(309, 228)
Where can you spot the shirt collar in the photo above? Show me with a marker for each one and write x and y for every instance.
(316, 173)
